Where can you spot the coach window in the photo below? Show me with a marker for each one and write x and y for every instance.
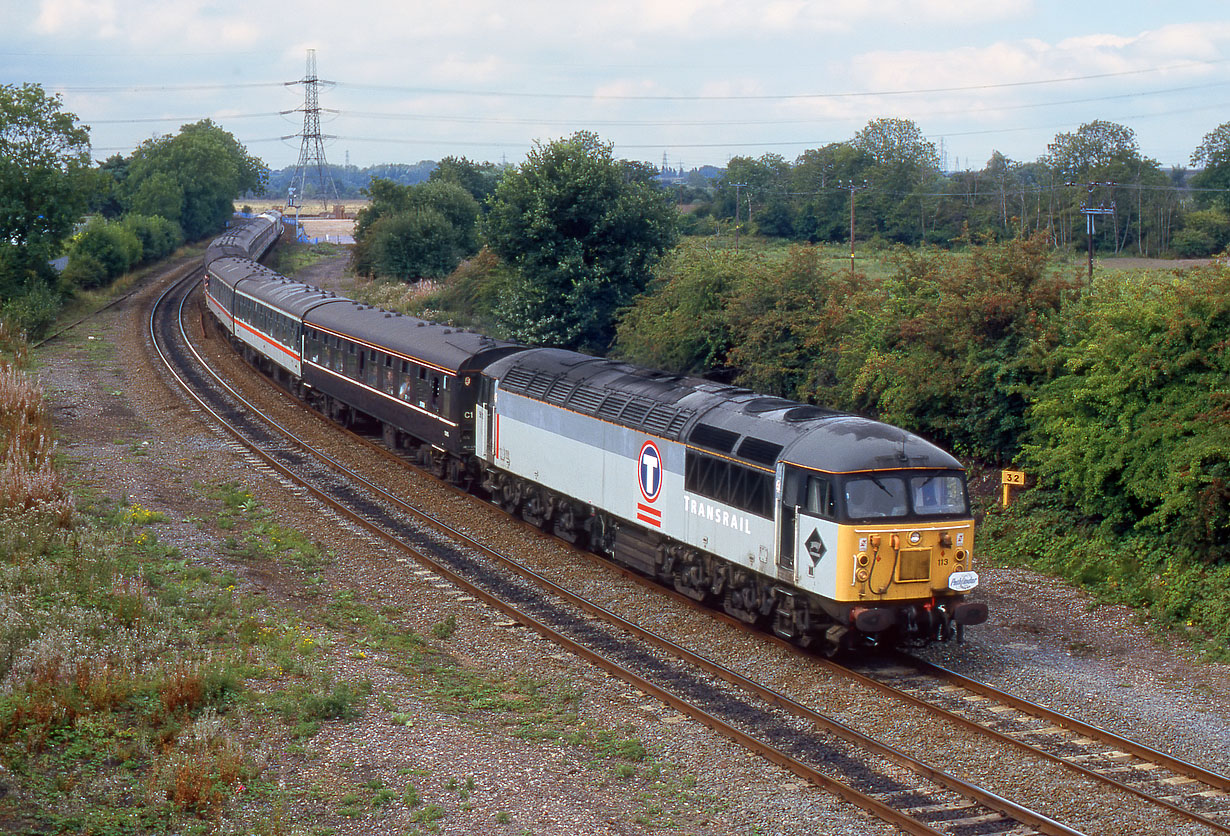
(390, 385)
(435, 392)
(372, 378)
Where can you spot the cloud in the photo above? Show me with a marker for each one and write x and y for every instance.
(71, 17)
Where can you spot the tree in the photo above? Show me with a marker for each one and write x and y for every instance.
(479, 179)
(823, 176)
(904, 162)
(191, 178)
(415, 232)
(44, 155)
(584, 234)
(1213, 154)
(413, 245)
(749, 184)
(1105, 152)
(1092, 151)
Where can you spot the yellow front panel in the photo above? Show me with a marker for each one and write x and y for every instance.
(912, 570)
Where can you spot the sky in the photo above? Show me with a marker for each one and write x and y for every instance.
(693, 81)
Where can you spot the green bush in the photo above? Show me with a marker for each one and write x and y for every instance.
(159, 237)
(111, 245)
(34, 310)
(1183, 596)
(1135, 427)
(1205, 232)
(415, 232)
(84, 271)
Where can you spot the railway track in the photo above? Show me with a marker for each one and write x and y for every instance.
(901, 790)
(1191, 791)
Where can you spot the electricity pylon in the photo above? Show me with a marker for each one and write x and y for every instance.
(312, 149)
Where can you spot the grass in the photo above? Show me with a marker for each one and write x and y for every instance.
(131, 676)
(144, 690)
(290, 258)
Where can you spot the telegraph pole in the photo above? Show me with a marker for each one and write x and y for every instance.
(749, 211)
(1090, 211)
(312, 148)
(853, 187)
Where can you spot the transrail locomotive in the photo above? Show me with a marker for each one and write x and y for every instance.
(832, 529)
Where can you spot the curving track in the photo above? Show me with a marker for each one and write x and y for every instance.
(915, 797)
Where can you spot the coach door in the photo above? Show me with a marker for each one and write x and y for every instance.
(484, 420)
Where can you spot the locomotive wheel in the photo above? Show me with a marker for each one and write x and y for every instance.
(510, 495)
(602, 534)
(690, 576)
(566, 525)
(534, 510)
(744, 598)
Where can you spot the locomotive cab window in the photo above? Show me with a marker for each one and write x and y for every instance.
(884, 496)
(821, 498)
(938, 494)
(876, 496)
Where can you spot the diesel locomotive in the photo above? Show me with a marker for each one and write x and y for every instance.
(832, 529)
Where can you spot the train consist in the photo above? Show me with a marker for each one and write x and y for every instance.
(834, 530)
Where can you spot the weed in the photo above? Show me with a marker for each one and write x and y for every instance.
(445, 628)
(428, 815)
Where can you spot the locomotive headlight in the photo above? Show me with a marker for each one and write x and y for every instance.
(862, 575)
(915, 538)
(863, 558)
(945, 540)
(960, 557)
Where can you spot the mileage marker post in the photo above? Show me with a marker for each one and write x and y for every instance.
(1011, 479)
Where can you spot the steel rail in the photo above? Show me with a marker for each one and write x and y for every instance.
(1140, 750)
(1027, 707)
(987, 799)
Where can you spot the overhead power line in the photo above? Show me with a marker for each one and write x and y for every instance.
(784, 96)
(144, 88)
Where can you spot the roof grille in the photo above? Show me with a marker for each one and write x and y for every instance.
(585, 399)
(660, 419)
(558, 392)
(613, 406)
(516, 379)
(636, 410)
(759, 450)
(715, 438)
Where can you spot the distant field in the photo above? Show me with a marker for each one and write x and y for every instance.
(351, 206)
